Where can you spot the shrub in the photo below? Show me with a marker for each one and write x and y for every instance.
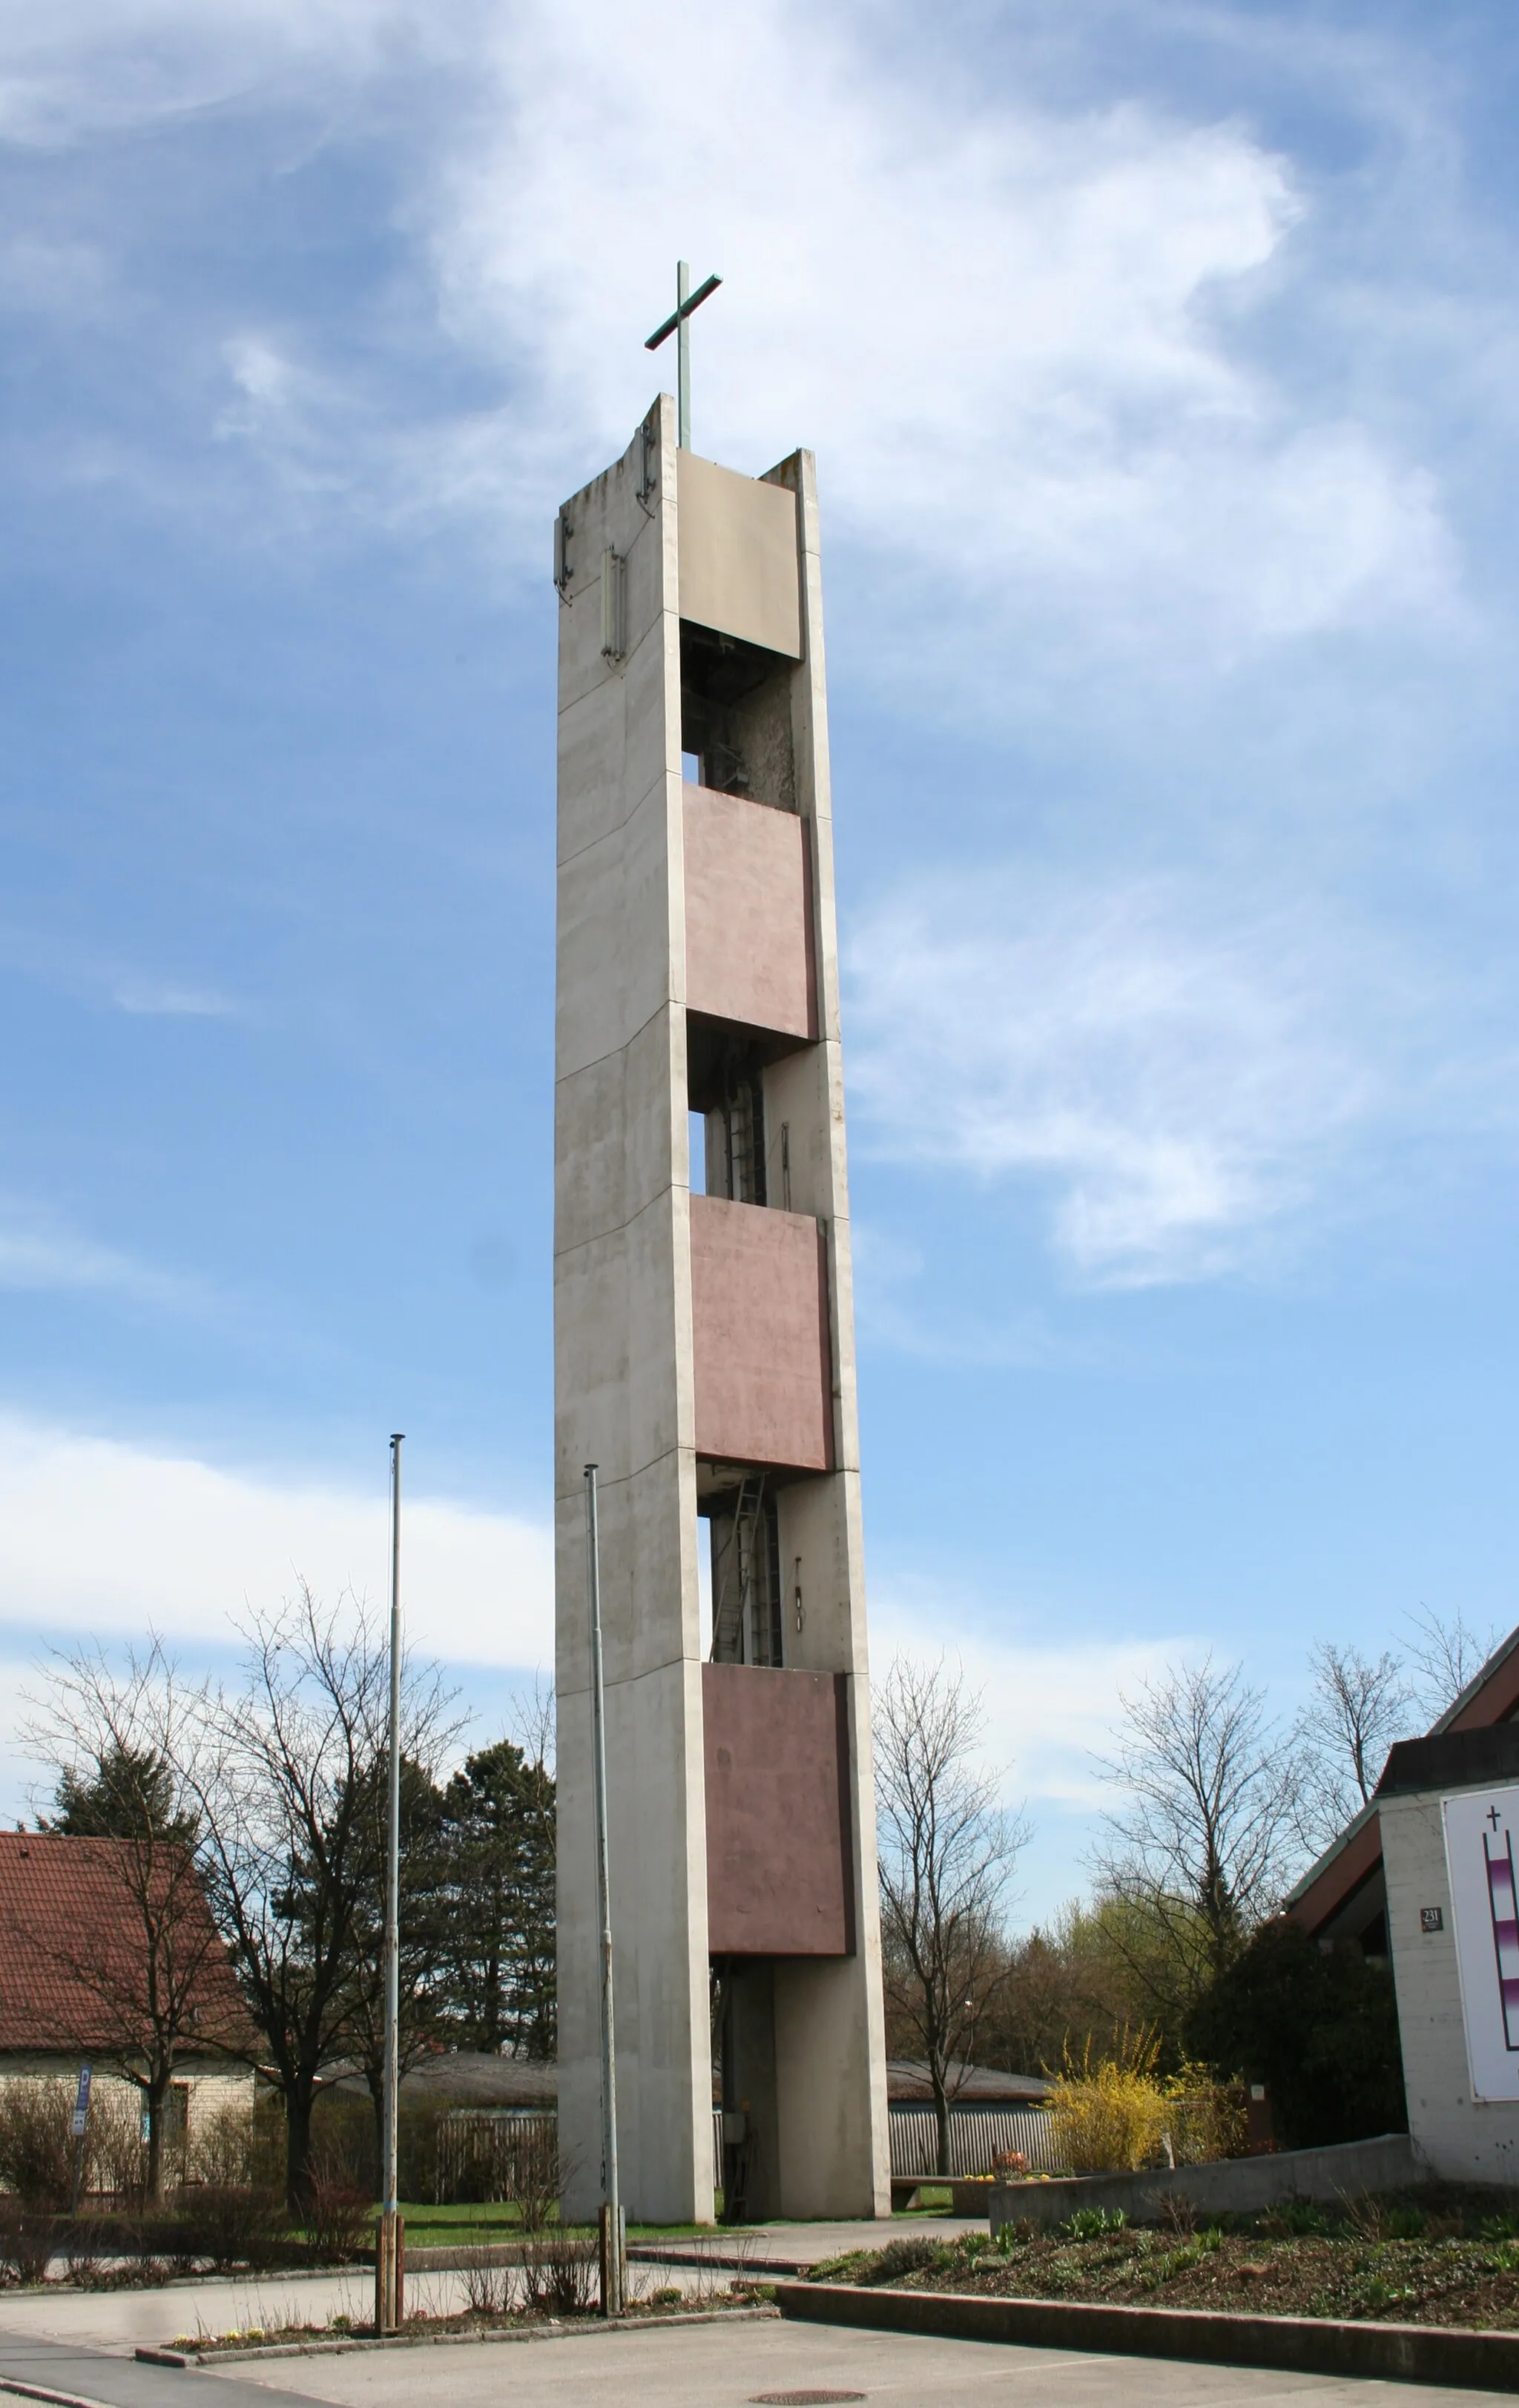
(117, 2159)
(1110, 2119)
(1208, 2119)
(338, 2215)
(910, 2254)
(487, 2284)
(1321, 2031)
(536, 2175)
(1291, 2217)
(26, 2240)
(231, 2224)
(222, 2147)
(561, 2273)
(37, 2148)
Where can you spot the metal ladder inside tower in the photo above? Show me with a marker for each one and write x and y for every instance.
(730, 1613)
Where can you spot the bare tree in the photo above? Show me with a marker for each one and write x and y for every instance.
(946, 1851)
(1446, 1654)
(150, 1984)
(1356, 1710)
(1200, 1843)
(282, 1776)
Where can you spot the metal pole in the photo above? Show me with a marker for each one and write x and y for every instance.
(612, 2222)
(683, 347)
(388, 2256)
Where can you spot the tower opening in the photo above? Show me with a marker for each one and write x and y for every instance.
(736, 715)
(748, 1607)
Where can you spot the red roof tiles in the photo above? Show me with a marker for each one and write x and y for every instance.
(73, 1953)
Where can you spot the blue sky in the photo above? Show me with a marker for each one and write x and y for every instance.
(1161, 367)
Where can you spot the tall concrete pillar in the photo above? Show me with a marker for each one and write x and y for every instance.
(704, 1358)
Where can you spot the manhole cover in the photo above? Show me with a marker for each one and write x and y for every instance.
(801, 2399)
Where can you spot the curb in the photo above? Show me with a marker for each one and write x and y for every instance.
(13, 2385)
(1482, 2361)
(645, 2253)
(547, 2331)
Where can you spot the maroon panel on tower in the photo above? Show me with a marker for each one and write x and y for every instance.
(761, 1353)
(749, 948)
(778, 1820)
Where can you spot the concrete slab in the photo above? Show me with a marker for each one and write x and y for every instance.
(718, 2366)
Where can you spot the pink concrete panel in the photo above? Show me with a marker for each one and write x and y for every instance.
(776, 1746)
(764, 1364)
(749, 948)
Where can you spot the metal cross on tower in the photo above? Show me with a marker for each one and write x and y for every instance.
(678, 324)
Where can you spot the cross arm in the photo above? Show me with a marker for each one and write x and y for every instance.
(662, 333)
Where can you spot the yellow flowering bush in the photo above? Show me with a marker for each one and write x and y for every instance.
(1116, 2116)
(1108, 2118)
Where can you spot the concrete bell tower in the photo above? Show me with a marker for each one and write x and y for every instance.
(704, 1358)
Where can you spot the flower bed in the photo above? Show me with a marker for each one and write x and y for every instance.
(1448, 2257)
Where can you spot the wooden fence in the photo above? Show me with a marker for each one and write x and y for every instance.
(977, 2135)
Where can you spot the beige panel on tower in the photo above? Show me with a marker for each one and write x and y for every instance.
(739, 566)
(748, 905)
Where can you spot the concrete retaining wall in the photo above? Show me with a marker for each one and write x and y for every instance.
(1485, 2361)
(1238, 2185)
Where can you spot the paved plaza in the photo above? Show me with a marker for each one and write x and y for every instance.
(716, 2365)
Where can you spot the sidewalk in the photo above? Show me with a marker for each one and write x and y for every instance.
(792, 2248)
(121, 2320)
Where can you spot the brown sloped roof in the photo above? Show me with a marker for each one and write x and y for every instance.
(971, 2085)
(72, 1949)
(1354, 1859)
(464, 2077)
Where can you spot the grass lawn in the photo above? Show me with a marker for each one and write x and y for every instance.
(465, 2228)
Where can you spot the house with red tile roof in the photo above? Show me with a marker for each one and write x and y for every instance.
(109, 1956)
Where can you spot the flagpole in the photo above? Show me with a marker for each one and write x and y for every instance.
(389, 2279)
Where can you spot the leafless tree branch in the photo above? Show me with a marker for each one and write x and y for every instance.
(1357, 1708)
(946, 1851)
(1201, 1840)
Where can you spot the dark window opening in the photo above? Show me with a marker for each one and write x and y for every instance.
(736, 715)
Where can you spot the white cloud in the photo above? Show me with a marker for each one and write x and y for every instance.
(155, 1000)
(1050, 1708)
(107, 1538)
(1180, 1079)
(999, 326)
(37, 1254)
(1016, 335)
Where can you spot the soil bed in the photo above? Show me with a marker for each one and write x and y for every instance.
(1427, 2259)
(343, 2330)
